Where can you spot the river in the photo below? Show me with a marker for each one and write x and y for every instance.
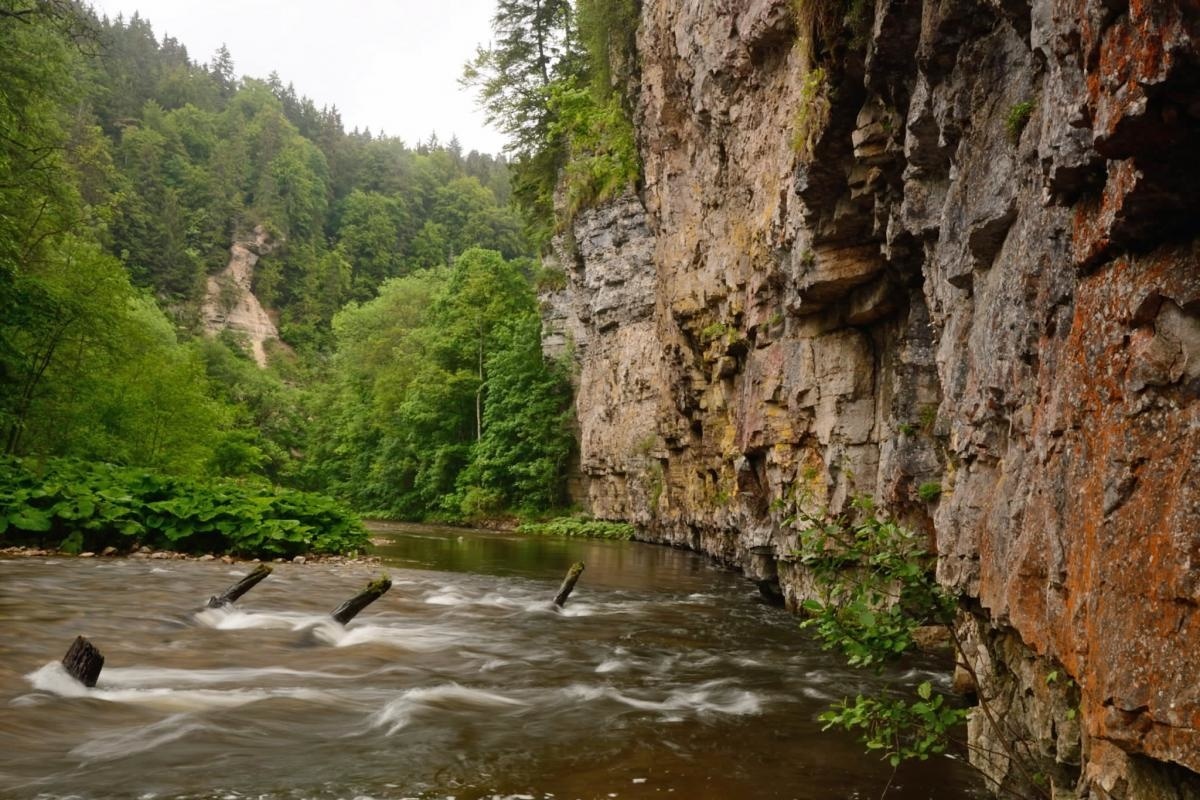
(664, 676)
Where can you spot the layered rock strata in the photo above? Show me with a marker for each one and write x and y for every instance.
(945, 253)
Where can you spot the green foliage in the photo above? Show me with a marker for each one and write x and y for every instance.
(602, 157)
(123, 182)
(576, 526)
(93, 369)
(1017, 119)
(929, 491)
(820, 23)
(76, 506)
(556, 101)
(899, 728)
(266, 417)
(655, 484)
(876, 585)
(608, 29)
(550, 279)
(812, 113)
(526, 440)
(716, 330)
(441, 401)
(531, 48)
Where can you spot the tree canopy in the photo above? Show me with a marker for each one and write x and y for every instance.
(399, 277)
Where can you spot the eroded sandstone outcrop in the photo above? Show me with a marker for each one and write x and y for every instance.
(230, 302)
(979, 270)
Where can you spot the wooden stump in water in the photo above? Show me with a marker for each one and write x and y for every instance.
(349, 609)
(568, 584)
(240, 588)
(83, 661)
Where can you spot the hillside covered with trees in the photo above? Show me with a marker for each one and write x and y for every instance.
(410, 379)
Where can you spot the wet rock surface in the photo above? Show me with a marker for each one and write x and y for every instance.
(980, 274)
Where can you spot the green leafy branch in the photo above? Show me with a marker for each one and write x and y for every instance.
(876, 585)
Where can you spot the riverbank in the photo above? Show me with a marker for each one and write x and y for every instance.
(567, 525)
(146, 553)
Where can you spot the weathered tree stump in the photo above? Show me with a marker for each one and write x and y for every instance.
(568, 584)
(349, 609)
(240, 588)
(83, 661)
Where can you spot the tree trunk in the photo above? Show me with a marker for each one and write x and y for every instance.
(568, 584)
(349, 609)
(240, 588)
(83, 661)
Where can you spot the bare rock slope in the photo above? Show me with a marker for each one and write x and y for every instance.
(230, 302)
(962, 256)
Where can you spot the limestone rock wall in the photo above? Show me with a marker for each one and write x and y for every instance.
(963, 254)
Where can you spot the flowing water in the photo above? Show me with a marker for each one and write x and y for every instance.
(664, 676)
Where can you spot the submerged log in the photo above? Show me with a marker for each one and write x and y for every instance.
(240, 588)
(83, 661)
(349, 609)
(568, 584)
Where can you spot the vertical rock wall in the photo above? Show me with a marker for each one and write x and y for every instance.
(963, 254)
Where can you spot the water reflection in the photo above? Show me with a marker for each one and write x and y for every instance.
(663, 676)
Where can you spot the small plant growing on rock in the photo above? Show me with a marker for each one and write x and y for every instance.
(812, 112)
(928, 418)
(551, 279)
(929, 491)
(645, 445)
(714, 331)
(1018, 118)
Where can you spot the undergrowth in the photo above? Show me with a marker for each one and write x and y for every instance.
(76, 506)
(579, 527)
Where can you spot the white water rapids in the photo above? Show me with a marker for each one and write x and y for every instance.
(663, 676)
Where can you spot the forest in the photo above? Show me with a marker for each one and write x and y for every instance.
(408, 380)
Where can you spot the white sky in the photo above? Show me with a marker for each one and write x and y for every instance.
(390, 65)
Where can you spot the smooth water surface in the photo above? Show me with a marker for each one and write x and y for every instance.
(663, 676)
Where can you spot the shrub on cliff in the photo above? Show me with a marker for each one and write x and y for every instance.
(77, 506)
(876, 588)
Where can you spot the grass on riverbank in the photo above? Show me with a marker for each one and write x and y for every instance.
(579, 527)
(75, 506)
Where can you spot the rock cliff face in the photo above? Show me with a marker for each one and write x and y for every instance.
(938, 243)
(230, 301)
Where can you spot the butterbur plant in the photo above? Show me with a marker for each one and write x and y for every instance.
(75, 506)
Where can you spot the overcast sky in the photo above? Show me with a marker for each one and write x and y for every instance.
(390, 65)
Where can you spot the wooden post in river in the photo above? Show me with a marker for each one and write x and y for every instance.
(240, 588)
(568, 584)
(83, 661)
(349, 609)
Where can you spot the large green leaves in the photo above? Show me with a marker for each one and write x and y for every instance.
(96, 505)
